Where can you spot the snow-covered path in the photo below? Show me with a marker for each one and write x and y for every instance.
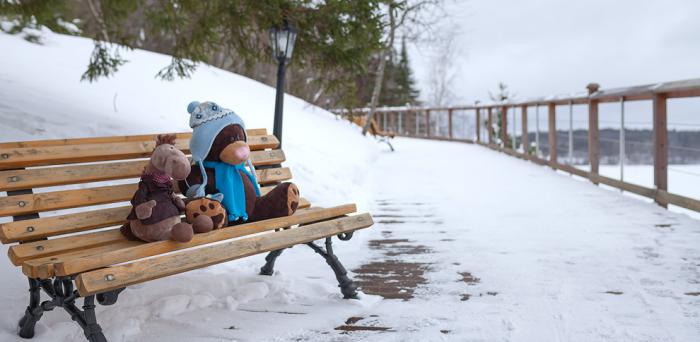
(555, 258)
(482, 246)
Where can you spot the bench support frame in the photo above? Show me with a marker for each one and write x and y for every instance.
(347, 287)
(62, 294)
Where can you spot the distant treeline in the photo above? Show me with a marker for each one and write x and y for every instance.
(684, 146)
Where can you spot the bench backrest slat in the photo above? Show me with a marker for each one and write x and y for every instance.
(102, 140)
(12, 158)
(84, 173)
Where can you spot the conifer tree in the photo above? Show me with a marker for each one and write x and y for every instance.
(335, 37)
(407, 93)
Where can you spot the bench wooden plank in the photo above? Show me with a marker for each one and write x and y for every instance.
(267, 176)
(39, 249)
(73, 265)
(31, 203)
(115, 277)
(56, 200)
(12, 158)
(62, 175)
(39, 228)
(104, 140)
(43, 268)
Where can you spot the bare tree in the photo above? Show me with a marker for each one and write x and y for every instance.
(443, 69)
(406, 15)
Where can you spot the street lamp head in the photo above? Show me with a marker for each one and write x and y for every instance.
(282, 39)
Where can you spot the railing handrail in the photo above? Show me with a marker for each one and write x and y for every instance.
(673, 89)
(658, 93)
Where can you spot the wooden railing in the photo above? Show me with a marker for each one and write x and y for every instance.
(421, 123)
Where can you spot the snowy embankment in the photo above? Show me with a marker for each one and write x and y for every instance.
(41, 97)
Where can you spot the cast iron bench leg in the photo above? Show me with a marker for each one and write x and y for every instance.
(269, 267)
(62, 294)
(34, 311)
(347, 286)
(93, 331)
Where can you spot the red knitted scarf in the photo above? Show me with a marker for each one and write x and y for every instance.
(158, 177)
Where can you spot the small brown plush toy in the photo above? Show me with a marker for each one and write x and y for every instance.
(156, 209)
(199, 209)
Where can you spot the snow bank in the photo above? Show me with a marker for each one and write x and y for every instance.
(41, 97)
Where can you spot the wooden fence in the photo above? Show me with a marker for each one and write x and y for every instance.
(422, 123)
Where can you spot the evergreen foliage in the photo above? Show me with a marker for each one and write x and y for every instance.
(335, 37)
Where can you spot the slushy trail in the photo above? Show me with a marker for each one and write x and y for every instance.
(476, 245)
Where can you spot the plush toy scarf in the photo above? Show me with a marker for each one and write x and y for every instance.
(230, 183)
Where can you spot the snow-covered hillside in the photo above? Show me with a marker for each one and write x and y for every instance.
(42, 97)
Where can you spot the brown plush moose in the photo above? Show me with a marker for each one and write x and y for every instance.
(156, 209)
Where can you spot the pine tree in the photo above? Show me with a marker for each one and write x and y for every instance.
(406, 91)
(502, 96)
(335, 37)
(398, 88)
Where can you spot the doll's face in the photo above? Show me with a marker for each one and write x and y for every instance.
(230, 146)
(167, 158)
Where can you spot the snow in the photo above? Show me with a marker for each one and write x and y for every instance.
(557, 258)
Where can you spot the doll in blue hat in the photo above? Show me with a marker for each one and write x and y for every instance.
(222, 168)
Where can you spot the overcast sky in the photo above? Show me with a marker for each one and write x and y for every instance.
(542, 47)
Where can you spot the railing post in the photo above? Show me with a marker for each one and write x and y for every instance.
(512, 138)
(415, 116)
(593, 133)
(478, 126)
(525, 139)
(427, 123)
(571, 133)
(504, 126)
(537, 130)
(489, 122)
(622, 138)
(399, 127)
(660, 147)
(449, 122)
(552, 133)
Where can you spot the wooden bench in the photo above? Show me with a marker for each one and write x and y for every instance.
(62, 212)
(374, 130)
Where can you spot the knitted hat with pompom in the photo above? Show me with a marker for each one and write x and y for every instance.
(207, 119)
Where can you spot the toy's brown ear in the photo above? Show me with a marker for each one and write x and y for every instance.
(165, 139)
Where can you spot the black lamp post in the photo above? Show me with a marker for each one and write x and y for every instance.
(282, 40)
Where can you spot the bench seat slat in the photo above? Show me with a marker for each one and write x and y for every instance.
(103, 140)
(115, 277)
(43, 268)
(12, 158)
(76, 262)
(39, 249)
(31, 203)
(43, 248)
(74, 174)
